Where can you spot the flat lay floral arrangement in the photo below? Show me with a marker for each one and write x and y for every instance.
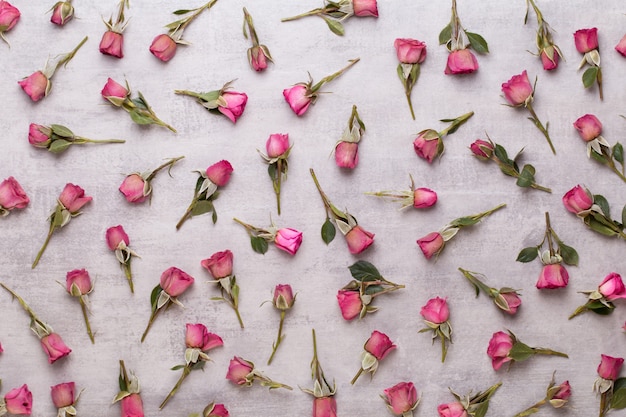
(272, 207)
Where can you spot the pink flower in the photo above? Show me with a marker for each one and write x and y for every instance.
(410, 51)
(175, 281)
(431, 244)
(235, 105)
(39, 135)
(562, 395)
(288, 240)
(113, 89)
(424, 198)
(132, 406)
(553, 276)
(589, 127)
(54, 347)
(347, 154)
(401, 398)
(258, 58)
(586, 40)
(18, 401)
(577, 200)
(518, 89)
(78, 282)
(365, 8)
(549, 62)
(63, 394)
(163, 47)
(324, 407)
(112, 44)
(62, 13)
(12, 195)
(349, 303)
(115, 236)
(277, 144)
(73, 198)
(218, 411)
(461, 61)
(455, 409)
(621, 46)
(512, 300)
(610, 367)
(9, 16)
(482, 149)
(358, 239)
(219, 173)
(499, 347)
(197, 336)
(298, 97)
(283, 297)
(238, 370)
(436, 310)
(220, 264)
(379, 345)
(612, 287)
(36, 85)
(1, 350)
(426, 149)
(133, 187)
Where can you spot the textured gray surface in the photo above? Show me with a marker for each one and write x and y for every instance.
(464, 185)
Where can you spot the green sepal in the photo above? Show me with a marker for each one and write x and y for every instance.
(528, 254)
(177, 367)
(122, 383)
(59, 145)
(373, 289)
(445, 34)
(62, 131)
(328, 231)
(201, 207)
(589, 76)
(601, 308)
(154, 296)
(603, 203)
(478, 43)
(364, 271)
(57, 217)
(501, 154)
(182, 11)
(597, 224)
(618, 400)
(199, 183)
(334, 26)
(527, 176)
(259, 245)
(520, 351)
(624, 216)
(464, 221)
(481, 409)
(569, 254)
(271, 171)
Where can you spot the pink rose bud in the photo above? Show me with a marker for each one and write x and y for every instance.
(163, 47)
(424, 198)
(220, 264)
(197, 336)
(219, 173)
(436, 310)
(349, 303)
(431, 244)
(410, 51)
(324, 407)
(238, 370)
(562, 395)
(553, 276)
(235, 105)
(218, 411)
(115, 236)
(36, 85)
(401, 398)
(257, 58)
(589, 127)
(112, 44)
(78, 282)
(73, 198)
(12, 195)
(63, 394)
(549, 61)
(577, 200)
(347, 154)
(455, 409)
(621, 46)
(283, 297)
(499, 347)
(9, 16)
(512, 300)
(175, 281)
(132, 406)
(482, 149)
(359, 239)
(586, 40)
(365, 8)
(277, 144)
(612, 287)
(54, 347)
(62, 12)
(461, 61)
(288, 240)
(39, 135)
(610, 367)
(133, 187)
(113, 89)
(379, 345)
(518, 89)
(18, 401)
(298, 98)
(426, 149)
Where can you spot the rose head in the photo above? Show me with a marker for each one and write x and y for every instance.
(112, 44)
(175, 281)
(133, 188)
(612, 287)
(553, 276)
(257, 58)
(114, 92)
(73, 198)
(610, 367)
(78, 282)
(621, 46)
(12, 195)
(365, 8)
(349, 303)
(36, 85)
(379, 345)
(426, 144)
(358, 239)
(562, 394)
(499, 347)
(220, 264)
(589, 127)
(238, 370)
(283, 297)
(197, 336)
(235, 105)
(577, 200)
(218, 410)
(410, 51)
(19, 401)
(9, 16)
(586, 40)
(431, 244)
(277, 144)
(461, 61)
(424, 198)
(219, 173)
(62, 12)
(132, 406)
(63, 394)
(401, 398)
(116, 235)
(347, 154)
(436, 310)
(163, 47)
(455, 409)
(39, 136)
(299, 98)
(324, 407)
(482, 149)
(288, 240)
(54, 347)
(549, 58)
(518, 89)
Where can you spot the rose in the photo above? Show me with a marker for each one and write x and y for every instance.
(621, 46)
(358, 239)
(379, 345)
(133, 187)
(365, 8)
(163, 47)
(36, 85)
(518, 89)
(349, 303)
(299, 98)
(54, 347)
(512, 301)
(73, 198)
(277, 144)
(612, 287)
(235, 105)
(589, 127)
(175, 281)
(258, 58)
(431, 244)
(115, 236)
(426, 144)
(586, 40)
(461, 61)
(220, 264)
(559, 399)
(238, 370)
(112, 44)
(283, 297)
(114, 92)
(78, 282)
(218, 410)
(424, 198)
(410, 51)
(455, 409)
(549, 58)
(482, 149)
(132, 406)
(553, 276)
(324, 407)
(63, 394)
(288, 240)
(12, 195)
(18, 401)
(62, 13)
(39, 135)
(610, 367)
(219, 173)
(197, 336)
(436, 310)
(347, 154)
(577, 200)
(401, 398)
(9, 16)
(499, 347)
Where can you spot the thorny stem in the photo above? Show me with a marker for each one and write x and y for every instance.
(45, 245)
(169, 163)
(331, 77)
(540, 126)
(153, 316)
(186, 372)
(83, 307)
(456, 123)
(279, 338)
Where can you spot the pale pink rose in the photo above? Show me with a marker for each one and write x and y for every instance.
(426, 149)
(62, 12)
(116, 235)
(283, 297)
(349, 303)
(288, 240)
(589, 127)
(19, 401)
(610, 367)
(518, 89)
(132, 406)
(461, 61)
(436, 310)
(577, 199)
(9, 16)
(549, 62)
(586, 40)
(73, 198)
(298, 97)
(553, 276)
(563, 394)
(258, 59)
(424, 198)
(238, 370)
(112, 44)
(63, 394)
(39, 135)
(499, 347)
(347, 154)
(379, 345)
(175, 281)
(325, 407)
(512, 300)
(220, 264)
(133, 188)
(163, 47)
(80, 279)
(54, 347)
(365, 8)
(621, 46)
(410, 51)
(218, 411)
(401, 398)
(431, 244)
(219, 173)
(455, 409)
(612, 287)
(197, 336)
(36, 85)
(235, 105)
(12, 195)
(277, 144)
(114, 90)
(482, 149)
(358, 239)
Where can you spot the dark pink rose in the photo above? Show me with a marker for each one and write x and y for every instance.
(589, 127)
(54, 347)
(238, 370)
(461, 61)
(424, 198)
(349, 303)
(197, 336)
(365, 8)
(36, 85)
(288, 240)
(499, 347)
(62, 12)
(235, 105)
(612, 287)
(39, 135)
(19, 401)
(73, 198)
(12, 195)
(9, 16)
(518, 89)
(298, 97)
(112, 44)
(455, 409)
(621, 46)
(401, 398)
(553, 276)
(277, 144)
(347, 154)
(283, 297)
(358, 239)
(549, 58)
(577, 200)
(163, 47)
(133, 187)
(431, 244)
(63, 394)
(379, 345)
(132, 406)
(219, 173)
(220, 264)
(258, 59)
(586, 40)
(610, 367)
(114, 90)
(410, 51)
(482, 149)
(426, 145)
(559, 399)
(116, 235)
(175, 281)
(436, 310)
(324, 407)
(78, 282)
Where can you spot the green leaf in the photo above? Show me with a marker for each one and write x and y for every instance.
(599, 226)
(214, 216)
(600, 308)
(177, 367)
(139, 118)
(481, 409)
(603, 203)
(259, 245)
(501, 154)
(445, 34)
(201, 207)
(373, 289)
(182, 11)
(464, 221)
(154, 296)
(520, 352)
(527, 254)
(526, 177)
(364, 271)
(624, 216)
(478, 43)
(328, 231)
(618, 153)
(569, 254)
(59, 145)
(618, 400)
(62, 131)
(122, 383)
(589, 76)
(335, 26)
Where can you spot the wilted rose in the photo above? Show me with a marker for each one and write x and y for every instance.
(112, 44)
(235, 105)
(39, 135)
(561, 396)
(19, 401)
(518, 89)
(299, 98)
(549, 58)
(12, 195)
(410, 51)
(73, 198)
(288, 240)
(175, 281)
(54, 347)
(62, 12)
(513, 301)
(133, 187)
(257, 57)
(218, 410)
(36, 85)
(461, 61)
(347, 154)
(426, 144)
(349, 303)
(358, 239)
(324, 407)
(577, 200)
(553, 276)
(589, 127)
(499, 347)
(219, 173)
(586, 40)
(163, 47)
(238, 370)
(431, 244)
(365, 8)
(9, 16)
